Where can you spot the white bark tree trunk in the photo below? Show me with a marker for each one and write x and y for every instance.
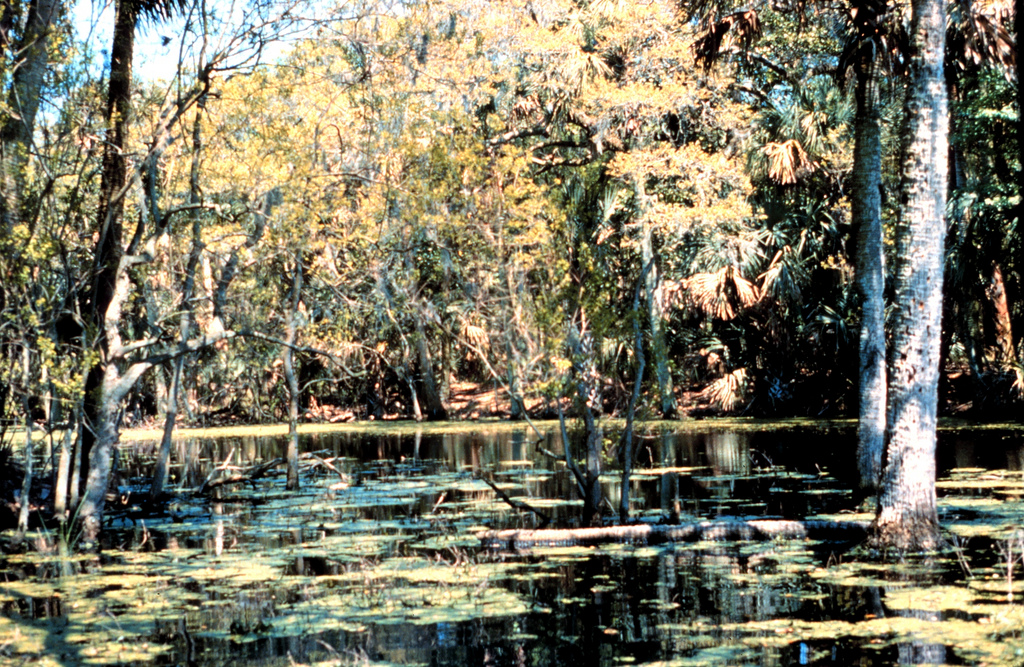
(105, 426)
(866, 205)
(907, 517)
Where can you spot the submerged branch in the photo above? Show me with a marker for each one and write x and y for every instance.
(518, 504)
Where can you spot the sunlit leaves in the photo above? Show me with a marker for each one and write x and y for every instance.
(719, 295)
(787, 161)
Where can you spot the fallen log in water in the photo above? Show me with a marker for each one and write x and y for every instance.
(758, 529)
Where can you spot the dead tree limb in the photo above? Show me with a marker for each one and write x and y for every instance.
(318, 461)
(518, 504)
(249, 476)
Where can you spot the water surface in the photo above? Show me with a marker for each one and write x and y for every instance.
(377, 561)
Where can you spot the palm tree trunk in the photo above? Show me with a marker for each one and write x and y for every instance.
(907, 517)
(866, 204)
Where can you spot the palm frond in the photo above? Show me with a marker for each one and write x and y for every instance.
(977, 35)
(728, 391)
(788, 162)
(743, 27)
(720, 295)
(475, 336)
(156, 11)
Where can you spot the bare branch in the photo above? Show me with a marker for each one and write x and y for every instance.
(517, 504)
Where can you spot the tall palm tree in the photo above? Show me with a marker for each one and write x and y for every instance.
(863, 54)
(907, 517)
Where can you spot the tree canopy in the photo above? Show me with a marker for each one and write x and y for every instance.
(413, 198)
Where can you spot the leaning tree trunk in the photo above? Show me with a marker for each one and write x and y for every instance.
(107, 257)
(866, 204)
(907, 517)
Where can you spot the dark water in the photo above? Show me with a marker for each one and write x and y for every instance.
(775, 603)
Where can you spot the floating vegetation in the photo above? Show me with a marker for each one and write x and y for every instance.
(379, 562)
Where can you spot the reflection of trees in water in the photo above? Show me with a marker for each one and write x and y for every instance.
(992, 449)
(1015, 458)
(727, 453)
(659, 608)
(652, 607)
(918, 652)
(915, 652)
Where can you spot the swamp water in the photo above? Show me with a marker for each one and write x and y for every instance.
(377, 562)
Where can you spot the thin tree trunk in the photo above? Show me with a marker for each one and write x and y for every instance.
(185, 322)
(595, 442)
(656, 322)
(26, 482)
(907, 517)
(293, 384)
(513, 335)
(627, 431)
(410, 381)
(516, 408)
(588, 397)
(60, 485)
(163, 457)
(866, 204)
(75, 485)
